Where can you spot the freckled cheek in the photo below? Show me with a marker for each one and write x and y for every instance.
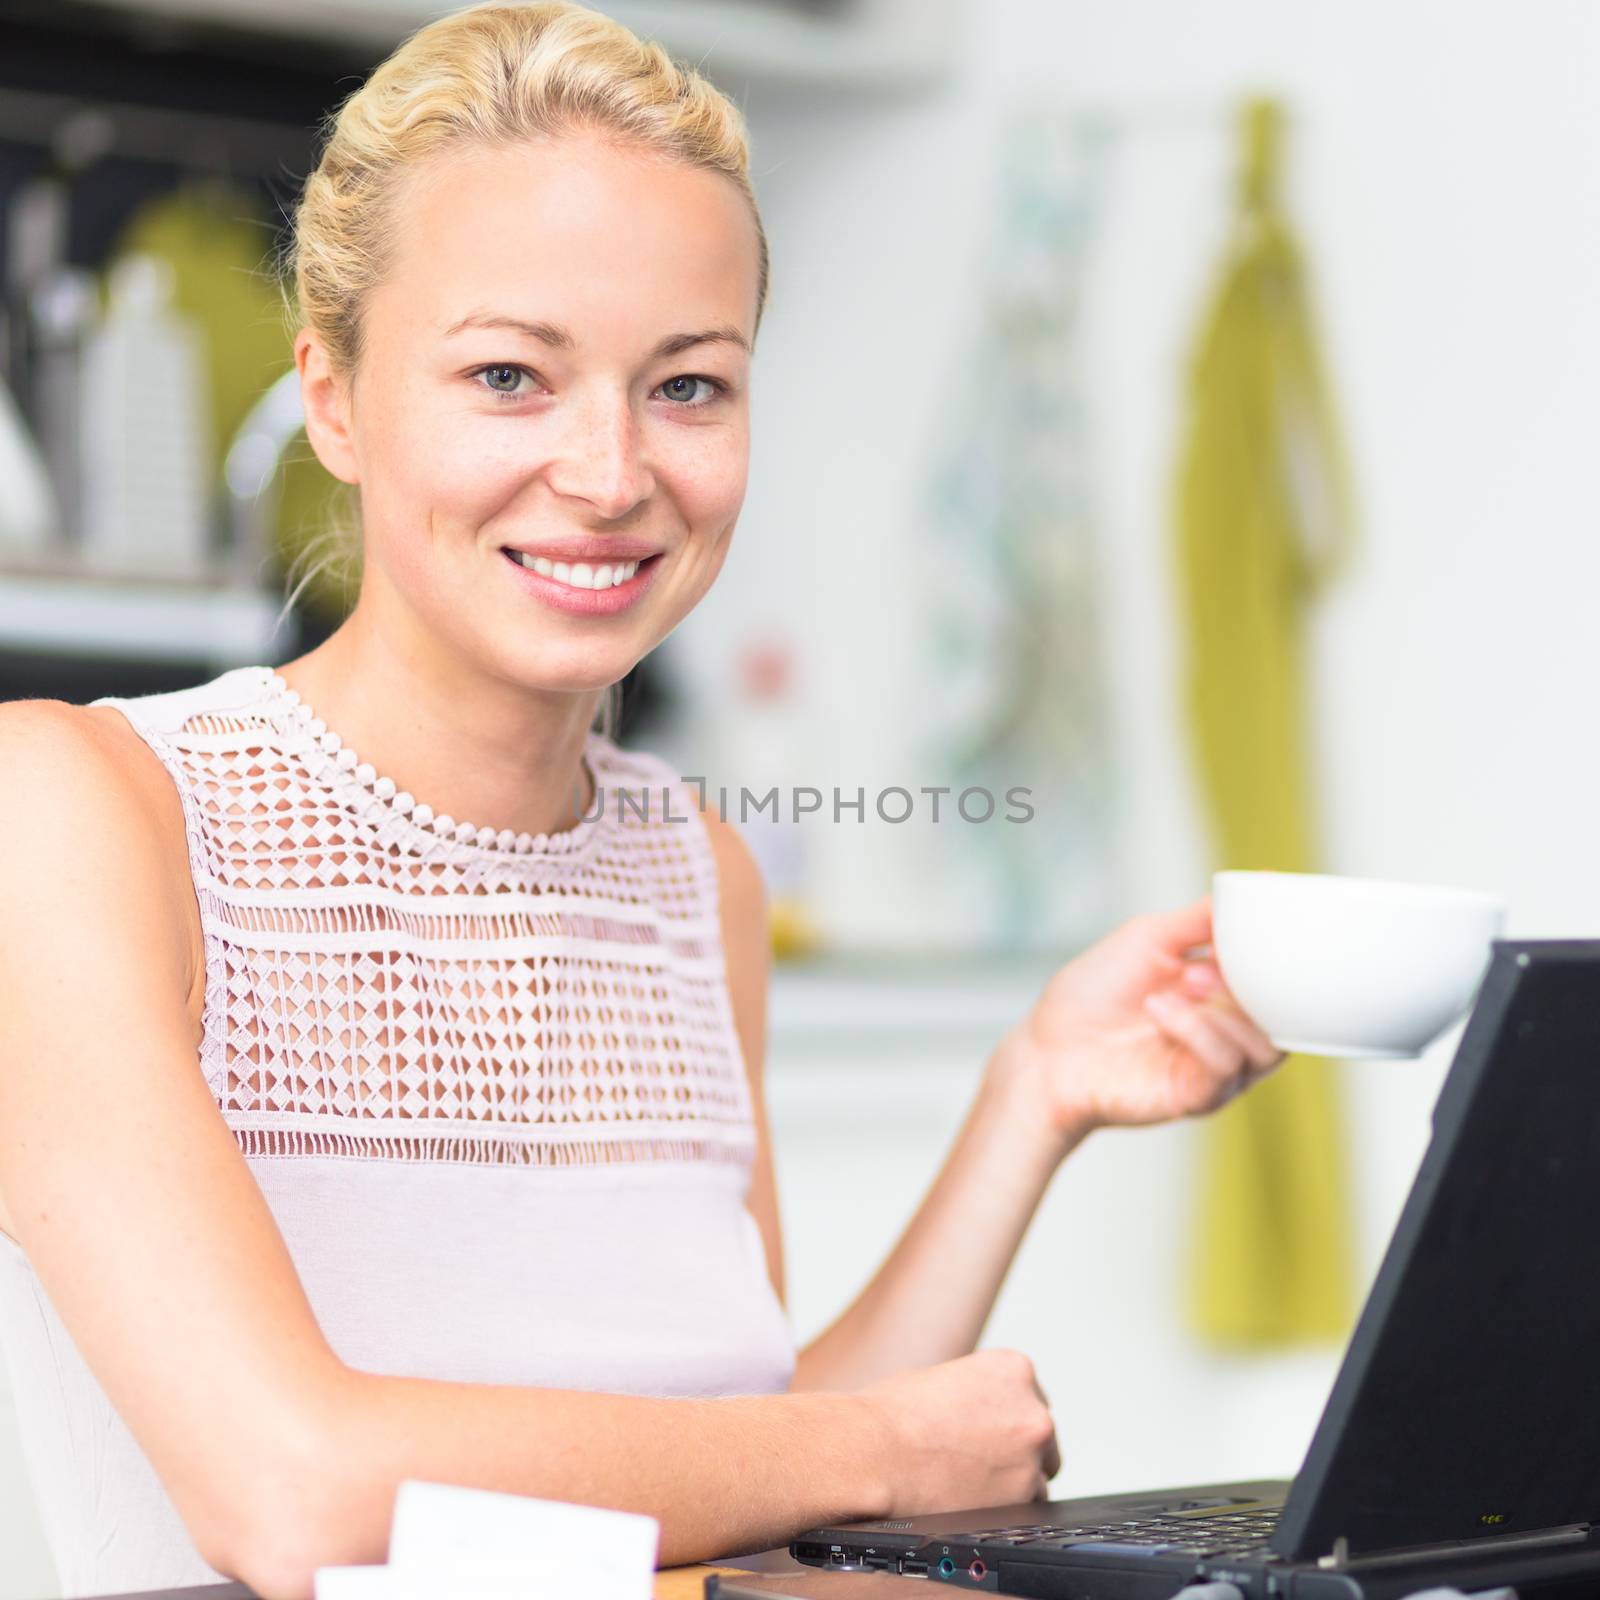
(473, 479)
(707, 480)
(458, 471)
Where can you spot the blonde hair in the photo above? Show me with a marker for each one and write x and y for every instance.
(489, 75)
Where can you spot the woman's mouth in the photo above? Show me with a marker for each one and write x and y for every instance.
(583, 588)
(579, 574)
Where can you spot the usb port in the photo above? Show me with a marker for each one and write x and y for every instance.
(877, 1563)
(912, 1568)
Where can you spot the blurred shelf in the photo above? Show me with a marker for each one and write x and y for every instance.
(847, 43)
(873, 999)
(220, 622)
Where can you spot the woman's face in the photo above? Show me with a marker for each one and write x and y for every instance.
(558, 364)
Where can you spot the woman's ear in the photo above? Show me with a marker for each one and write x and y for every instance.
(326, 403)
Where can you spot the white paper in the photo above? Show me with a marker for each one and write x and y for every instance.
(451, 1543)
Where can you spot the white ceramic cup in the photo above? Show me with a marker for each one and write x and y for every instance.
(1351, 966)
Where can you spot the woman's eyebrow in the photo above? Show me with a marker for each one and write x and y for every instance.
(559, 339)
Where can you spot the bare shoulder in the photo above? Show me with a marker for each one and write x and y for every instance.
(52, 735)
(86, 764)
(85, 788)
(740, 885)
(95, 889)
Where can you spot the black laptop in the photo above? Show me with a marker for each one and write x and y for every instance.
(1460, 1446)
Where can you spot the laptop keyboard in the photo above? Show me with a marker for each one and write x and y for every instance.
(1228, 1533)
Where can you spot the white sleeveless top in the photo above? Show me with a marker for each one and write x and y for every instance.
(488, 1083)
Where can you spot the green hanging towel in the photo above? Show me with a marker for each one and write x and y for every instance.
(1263, 520)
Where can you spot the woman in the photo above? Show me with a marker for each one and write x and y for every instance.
(474, 1184)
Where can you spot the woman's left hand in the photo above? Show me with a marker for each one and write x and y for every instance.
(1139, 1029)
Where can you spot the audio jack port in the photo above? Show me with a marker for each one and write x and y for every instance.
(946, 1567)
(977, 1570)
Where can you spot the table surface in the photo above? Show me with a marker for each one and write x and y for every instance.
(672, 1583)
(687, 1583)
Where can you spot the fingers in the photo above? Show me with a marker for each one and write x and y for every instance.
(1202, 981)
(1051, 1460)
(1232, 1050)
(1261, 1053)
(1193, 1027)
(1184, 929)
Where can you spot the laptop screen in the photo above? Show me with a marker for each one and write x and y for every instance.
(1468, 1404)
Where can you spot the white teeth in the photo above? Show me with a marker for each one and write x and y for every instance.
(579, 575)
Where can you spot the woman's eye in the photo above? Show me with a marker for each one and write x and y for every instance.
(502, 379)
(674, 384)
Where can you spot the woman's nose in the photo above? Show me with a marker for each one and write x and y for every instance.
(599, 457)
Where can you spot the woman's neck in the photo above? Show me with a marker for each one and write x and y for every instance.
(478, 747)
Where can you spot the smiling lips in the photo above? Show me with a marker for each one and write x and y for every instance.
(578, 574)
(584, 588)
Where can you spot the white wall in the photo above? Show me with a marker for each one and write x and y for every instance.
(1442, 176)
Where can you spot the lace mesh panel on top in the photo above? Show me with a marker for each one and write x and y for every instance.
(384, 982)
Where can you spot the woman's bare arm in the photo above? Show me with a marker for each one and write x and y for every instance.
(747, 959)
(154, 1243)
(929, 1300)
(1088, 1054)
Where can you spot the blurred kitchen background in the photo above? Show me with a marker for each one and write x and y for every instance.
(1009, 390)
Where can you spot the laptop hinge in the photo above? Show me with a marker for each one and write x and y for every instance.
(1494, 1543)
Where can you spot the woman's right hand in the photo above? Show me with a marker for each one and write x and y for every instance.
(965, 1434)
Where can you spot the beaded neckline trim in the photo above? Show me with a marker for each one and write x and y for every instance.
(336, 763)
